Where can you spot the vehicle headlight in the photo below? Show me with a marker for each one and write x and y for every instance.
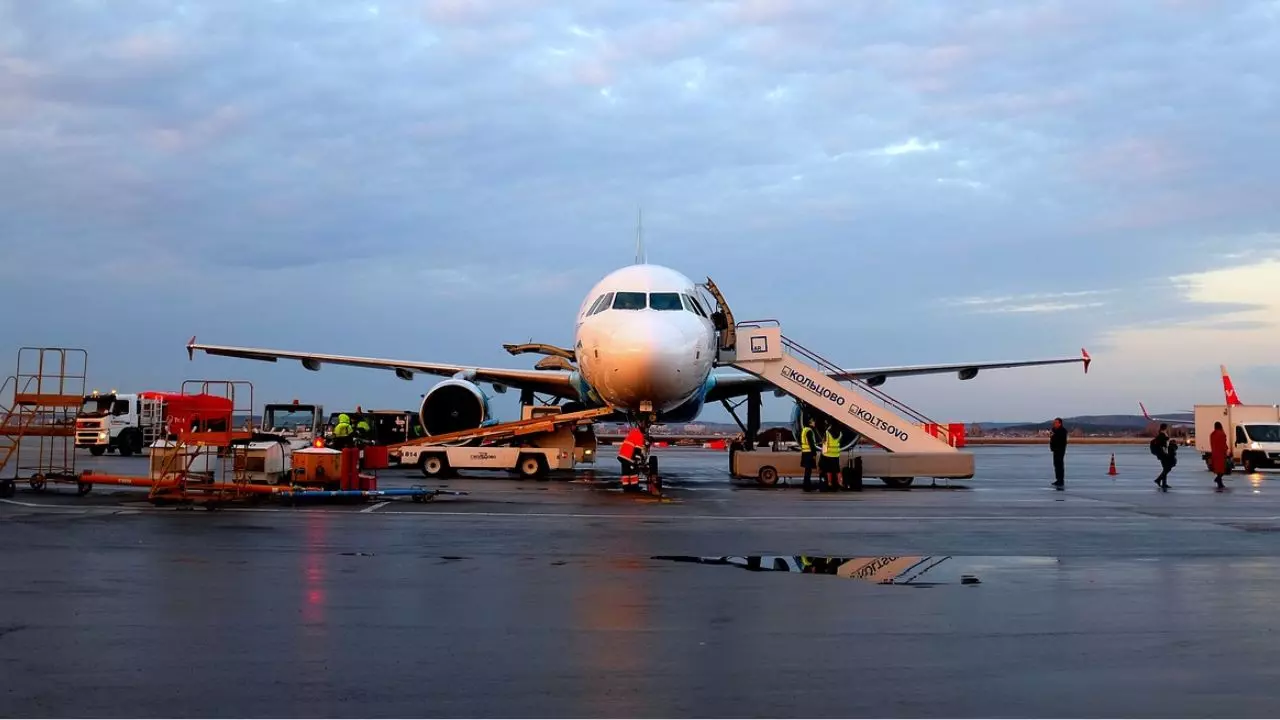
(1253, 446)
(103, 436)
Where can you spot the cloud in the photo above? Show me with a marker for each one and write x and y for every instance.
(851, 169)
(912, 145)
(1035, 302)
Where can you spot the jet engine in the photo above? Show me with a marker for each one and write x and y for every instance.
(800, 415)
(453, 405)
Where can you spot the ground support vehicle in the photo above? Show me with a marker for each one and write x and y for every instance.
(1253, 434)
(126, 423)
(543, 441)
(915, 445)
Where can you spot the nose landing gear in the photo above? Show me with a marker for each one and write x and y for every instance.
(646, 465)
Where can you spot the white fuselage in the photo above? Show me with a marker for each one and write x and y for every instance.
(643, 340)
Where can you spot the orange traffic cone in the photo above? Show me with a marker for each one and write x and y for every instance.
(1112, 470)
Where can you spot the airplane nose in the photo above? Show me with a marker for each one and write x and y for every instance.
(651, 360)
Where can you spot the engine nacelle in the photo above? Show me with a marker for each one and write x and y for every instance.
(800, 415)
(452, 406)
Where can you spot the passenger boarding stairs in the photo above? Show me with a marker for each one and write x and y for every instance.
(760, 348)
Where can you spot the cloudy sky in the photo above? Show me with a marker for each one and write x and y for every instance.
(896, 182)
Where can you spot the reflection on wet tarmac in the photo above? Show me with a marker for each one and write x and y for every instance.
(916, 570)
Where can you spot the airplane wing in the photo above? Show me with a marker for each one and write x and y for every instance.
(554, 382)
(737, 383)
(1168, 420)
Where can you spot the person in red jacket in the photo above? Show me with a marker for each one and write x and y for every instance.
(631, 454)
(1218, 453)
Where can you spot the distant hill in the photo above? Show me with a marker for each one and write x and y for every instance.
(1087, 423)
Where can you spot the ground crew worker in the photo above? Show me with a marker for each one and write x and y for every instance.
(808, 452)
(342, 431)
(830, 463)
(630, 454)
(363, 430)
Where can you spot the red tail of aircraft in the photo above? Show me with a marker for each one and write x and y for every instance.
(1228, 388)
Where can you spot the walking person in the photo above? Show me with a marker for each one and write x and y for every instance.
(1218, 453)
(808, 452)
(1160, 448)
(1058, 446)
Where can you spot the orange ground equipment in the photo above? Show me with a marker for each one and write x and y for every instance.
(326, 468)
(40, 419)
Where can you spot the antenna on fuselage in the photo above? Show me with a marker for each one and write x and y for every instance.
(641, 257)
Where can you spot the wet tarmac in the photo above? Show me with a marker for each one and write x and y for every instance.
(996, 596)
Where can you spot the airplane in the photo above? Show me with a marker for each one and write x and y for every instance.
(1228, 392)
(645, 344)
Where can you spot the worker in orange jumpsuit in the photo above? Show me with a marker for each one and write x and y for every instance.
(630, 454)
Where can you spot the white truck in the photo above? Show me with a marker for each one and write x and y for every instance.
(122, 422)
(531, 456)
(1253, 433)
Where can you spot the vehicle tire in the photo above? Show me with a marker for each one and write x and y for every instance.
(531, 466)
(8, 488)
(125, 443)
(37, 482)
(83, 488)
(97, 450)
(433, 465)
(898, 483)
(768, 476)
(1249, 464)
(653, 465)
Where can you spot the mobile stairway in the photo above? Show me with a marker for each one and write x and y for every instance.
(911, 450)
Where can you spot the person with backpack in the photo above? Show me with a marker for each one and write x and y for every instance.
(1164, 451)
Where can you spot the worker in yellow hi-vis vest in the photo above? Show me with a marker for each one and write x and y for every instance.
(808, 452)
(829, 465)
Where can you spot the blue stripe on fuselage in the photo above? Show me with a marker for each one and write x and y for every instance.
(686, 412)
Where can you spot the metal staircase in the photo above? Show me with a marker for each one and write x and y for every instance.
(47, 391)
(760, 348)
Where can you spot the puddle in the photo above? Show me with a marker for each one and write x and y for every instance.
(915, 570)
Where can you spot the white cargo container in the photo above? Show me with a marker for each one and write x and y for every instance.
(1253, 433)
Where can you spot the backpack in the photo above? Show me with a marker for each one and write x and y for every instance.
(1155, 446)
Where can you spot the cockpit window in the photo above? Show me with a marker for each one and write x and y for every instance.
(665, 301)
(629, 301)
(693, 305)
(601, 303)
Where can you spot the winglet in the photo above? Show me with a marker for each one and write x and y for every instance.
(191, 350)
(1087, 360)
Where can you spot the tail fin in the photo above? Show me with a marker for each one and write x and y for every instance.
(1144, 410)
(1228, 389)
